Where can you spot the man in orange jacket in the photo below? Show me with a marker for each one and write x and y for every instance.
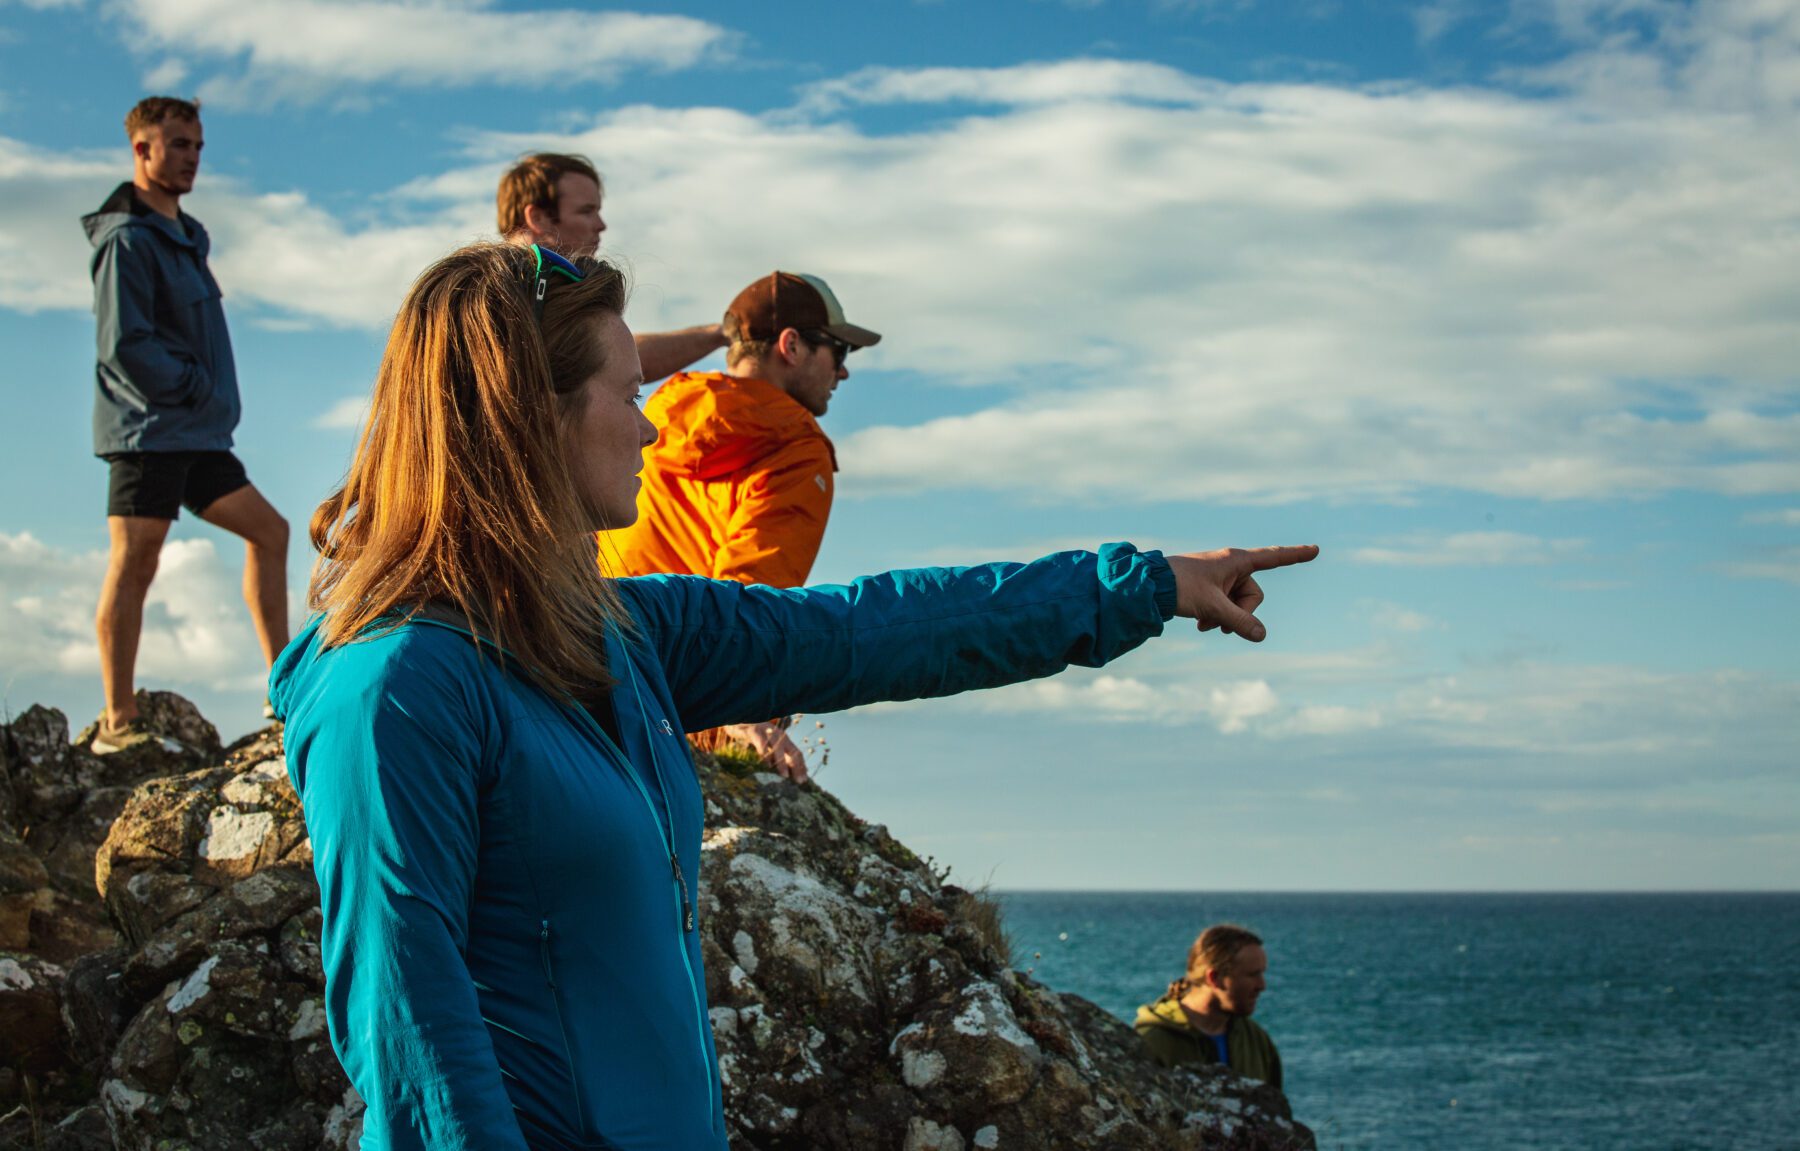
(739, 483)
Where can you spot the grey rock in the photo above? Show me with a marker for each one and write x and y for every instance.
(209, 874)
(860, 1002)
(179, 728)
(254, 907)
(93, 1007)
(60, 801)
(24, 888)
(85, 1129)
(31, 1032)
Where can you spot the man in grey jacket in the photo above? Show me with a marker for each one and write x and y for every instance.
(166, 402)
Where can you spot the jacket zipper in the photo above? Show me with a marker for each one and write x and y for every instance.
(683, 905)
(687, 908)
(561, 1027)
(714, 1104)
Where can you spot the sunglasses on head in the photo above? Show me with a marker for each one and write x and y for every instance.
(548, 264)
(839, 349)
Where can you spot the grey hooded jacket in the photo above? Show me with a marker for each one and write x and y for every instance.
(164, 377)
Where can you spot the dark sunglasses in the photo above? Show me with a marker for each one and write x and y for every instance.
(549, 263)
(839, 349)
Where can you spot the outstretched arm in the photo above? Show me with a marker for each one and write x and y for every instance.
(736, 654)
(665, 353)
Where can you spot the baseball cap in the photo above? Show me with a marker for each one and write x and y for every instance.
(782, 300)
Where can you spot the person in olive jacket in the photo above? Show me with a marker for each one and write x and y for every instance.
(166, 403)
(1204, 1017)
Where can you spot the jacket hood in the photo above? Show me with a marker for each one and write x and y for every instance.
(713, 424)
(123, 208)
(1165, 1014)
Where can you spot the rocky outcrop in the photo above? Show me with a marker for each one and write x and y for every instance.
(208, 875)
(857, 1000)
(58, 802)
(860, 1002)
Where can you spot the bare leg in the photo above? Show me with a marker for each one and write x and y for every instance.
(136, 545)
(265, 533)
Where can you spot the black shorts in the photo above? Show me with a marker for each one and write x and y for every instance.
(157, 485)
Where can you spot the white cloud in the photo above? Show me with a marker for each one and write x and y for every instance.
(43, 254)
(1549, 728)
(1735, 55)
(1787, 517)
(1112, 698)
(1615, 721)
(166, 76)
(1471, 549)
(309, 49)
(1391, 617)
(196, 628)
(1234, 705)
(348, 413)
(1315, 291)
(1782, 564)
(1055, 82)
(1329, 719)
(1432, 21)
(47, 611)
(275, 250)
(1251, 293)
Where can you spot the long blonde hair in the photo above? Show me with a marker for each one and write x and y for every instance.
(459, 492)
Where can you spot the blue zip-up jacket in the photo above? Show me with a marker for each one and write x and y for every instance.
(164, 377)
(511, 955)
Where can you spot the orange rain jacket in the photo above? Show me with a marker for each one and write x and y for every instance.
(738, 486)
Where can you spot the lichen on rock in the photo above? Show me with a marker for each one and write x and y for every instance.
(860, 1001)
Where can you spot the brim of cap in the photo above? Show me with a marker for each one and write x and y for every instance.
(854, 336)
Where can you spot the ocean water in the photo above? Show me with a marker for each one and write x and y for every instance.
(1483, 1022)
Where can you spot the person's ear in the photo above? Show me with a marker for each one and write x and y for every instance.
(540, 223)
(788, 344)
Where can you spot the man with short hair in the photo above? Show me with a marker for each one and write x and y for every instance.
(553, 199)
(1204, 1017)
(739, 483)
(166, 403)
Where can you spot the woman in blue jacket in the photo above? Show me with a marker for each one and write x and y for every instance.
(487, 734)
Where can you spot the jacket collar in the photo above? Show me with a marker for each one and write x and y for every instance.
(125, 201)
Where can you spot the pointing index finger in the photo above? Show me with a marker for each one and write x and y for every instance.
(1263, 559)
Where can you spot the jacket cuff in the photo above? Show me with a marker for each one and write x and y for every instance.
(1162, 577)
(1122, 564)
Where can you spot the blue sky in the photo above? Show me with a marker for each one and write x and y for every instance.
(1496, 302)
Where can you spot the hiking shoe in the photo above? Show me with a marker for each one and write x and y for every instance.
(110, 738)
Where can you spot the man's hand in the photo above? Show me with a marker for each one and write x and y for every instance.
(1218, 589)
(771, 741)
